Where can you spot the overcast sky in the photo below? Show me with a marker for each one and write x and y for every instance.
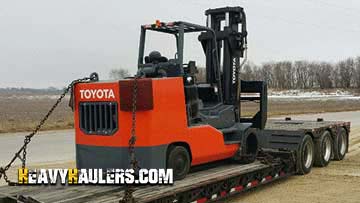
(48, 43)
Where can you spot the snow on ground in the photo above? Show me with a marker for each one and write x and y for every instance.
(273, 94)
(312, 95)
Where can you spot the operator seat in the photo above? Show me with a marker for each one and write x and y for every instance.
(155, 57)
(159, 66)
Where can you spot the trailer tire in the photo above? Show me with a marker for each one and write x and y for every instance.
(178, 160)
(341, 145)
(323, 149)
(305, 155)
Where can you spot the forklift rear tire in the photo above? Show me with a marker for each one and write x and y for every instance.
(323, 149)
(341, 145)
(305, 155)
(251, 151)
(178, 160)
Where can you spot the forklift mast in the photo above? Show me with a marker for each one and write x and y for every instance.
(229, 24)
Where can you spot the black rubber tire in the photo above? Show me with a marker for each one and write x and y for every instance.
(339, 150)
(323, 149)
(179, 160)
(305, 160)
(249, 156)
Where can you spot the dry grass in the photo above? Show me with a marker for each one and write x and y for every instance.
(23, 113)
(288, 107)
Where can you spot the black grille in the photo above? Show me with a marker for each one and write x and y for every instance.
(98, 118)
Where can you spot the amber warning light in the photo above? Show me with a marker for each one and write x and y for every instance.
(157, 23)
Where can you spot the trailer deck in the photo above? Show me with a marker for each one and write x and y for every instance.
(217, 181)
(206, 185)
(308, 126)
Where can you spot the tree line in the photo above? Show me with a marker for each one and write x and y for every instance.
(306, 74)
(301, 74)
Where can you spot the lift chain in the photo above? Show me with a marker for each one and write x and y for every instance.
(27, 140)
(129, 189)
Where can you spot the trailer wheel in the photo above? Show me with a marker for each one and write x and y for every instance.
(323, 149)
(179, 160)
(341, 145)
(305, 157)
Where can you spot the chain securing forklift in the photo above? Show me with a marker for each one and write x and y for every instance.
(180, 122)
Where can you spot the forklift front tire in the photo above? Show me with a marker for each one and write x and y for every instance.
(178, 160)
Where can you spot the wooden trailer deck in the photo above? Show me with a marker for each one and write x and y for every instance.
(75, 194)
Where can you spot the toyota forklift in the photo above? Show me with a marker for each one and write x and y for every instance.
(179, 121)
(165, 117)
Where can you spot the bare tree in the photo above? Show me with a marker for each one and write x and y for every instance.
(257, 73)
(247, 72)
(201, 75)
(357, 72)
(346, 71)
(301, 70)
(120, 73)
(289, 78)
(283, 75)
(323, 75)
(289, 75)
(267, 74)
(312, 74)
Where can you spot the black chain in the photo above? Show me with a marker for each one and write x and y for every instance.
(267, 158)
(128, 196)
(27, 140)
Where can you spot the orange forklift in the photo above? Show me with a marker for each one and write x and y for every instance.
(181, 122)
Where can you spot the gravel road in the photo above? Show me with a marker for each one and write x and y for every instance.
(47, 146)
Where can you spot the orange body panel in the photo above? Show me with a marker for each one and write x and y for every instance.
(166, 123)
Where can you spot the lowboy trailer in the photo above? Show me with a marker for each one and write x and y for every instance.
(214, 182)
(168, 119)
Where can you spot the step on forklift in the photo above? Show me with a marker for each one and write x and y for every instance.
(180, 122)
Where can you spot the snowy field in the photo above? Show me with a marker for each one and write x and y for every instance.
(312, 95)
(273, 95)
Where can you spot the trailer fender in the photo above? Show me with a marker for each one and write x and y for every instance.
(285, 140)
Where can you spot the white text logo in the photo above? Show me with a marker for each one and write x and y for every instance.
(97, 94)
